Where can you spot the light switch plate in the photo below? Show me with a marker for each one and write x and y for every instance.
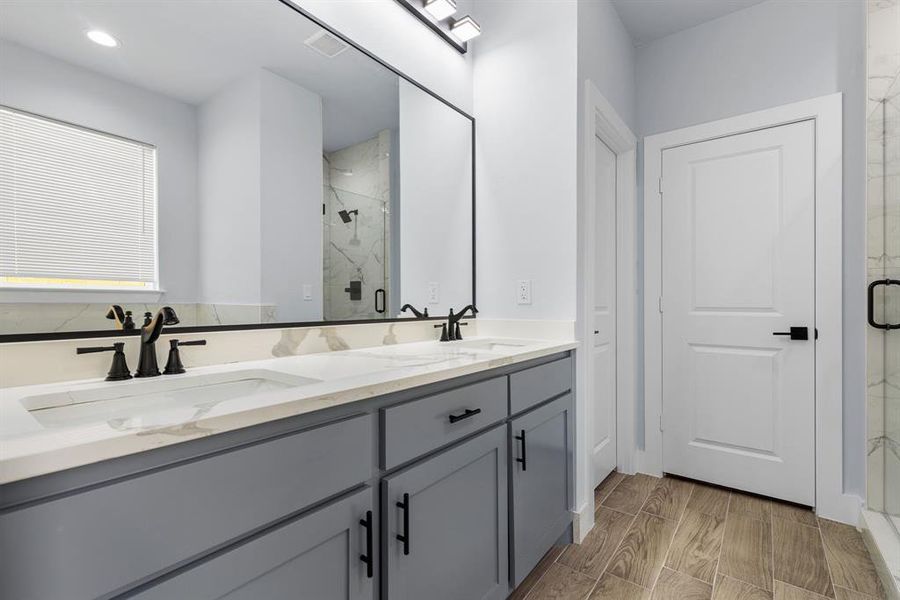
(523, 291)
(434, 292)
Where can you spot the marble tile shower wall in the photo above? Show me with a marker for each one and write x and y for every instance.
(357, 178)
(883, 252)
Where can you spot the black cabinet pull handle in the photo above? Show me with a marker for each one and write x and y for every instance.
(522, 460)
(871, 303)
(796, 333)
(405, 536)
(466, 414)
(367, 557)
(379, 293)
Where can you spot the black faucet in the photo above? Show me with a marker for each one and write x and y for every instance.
(452, 326)
(419, 315)
(147, 365)
(121, 317)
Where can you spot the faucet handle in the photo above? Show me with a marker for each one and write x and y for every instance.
(118, 371)
(174, 366)
(443, 328)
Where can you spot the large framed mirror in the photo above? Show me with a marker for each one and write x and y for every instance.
(236, 160)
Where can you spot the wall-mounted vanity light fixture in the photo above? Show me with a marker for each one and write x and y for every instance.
(440, 9)
(437, 15)
(465, 29)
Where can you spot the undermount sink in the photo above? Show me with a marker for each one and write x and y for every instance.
(132, 403)
(493, 345)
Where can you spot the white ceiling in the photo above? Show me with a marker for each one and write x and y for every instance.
(648, 20)
(191, 50)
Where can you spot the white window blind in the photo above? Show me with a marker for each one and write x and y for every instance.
(77, 206)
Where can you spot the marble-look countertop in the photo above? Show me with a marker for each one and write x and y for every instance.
(32, 446)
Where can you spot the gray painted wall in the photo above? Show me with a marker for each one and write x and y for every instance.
(767, 55)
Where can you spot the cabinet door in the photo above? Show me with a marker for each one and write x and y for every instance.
(453, 516)
(542, 450)
(313, 557)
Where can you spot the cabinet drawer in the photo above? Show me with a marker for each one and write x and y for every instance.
(533, 386)
(414, 428)
(104, 539)
(315, 556)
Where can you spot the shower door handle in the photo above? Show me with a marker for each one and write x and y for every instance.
(379, 293)
(871, 303)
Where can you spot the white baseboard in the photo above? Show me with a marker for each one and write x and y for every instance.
(582, 522)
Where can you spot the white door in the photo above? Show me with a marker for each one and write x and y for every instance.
(603, 359)
(738, 268)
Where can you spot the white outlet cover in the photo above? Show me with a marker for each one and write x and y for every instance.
(523, 291)
(434, 292)
(307, 292)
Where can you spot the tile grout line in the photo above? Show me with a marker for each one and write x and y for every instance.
(825, 552)
(619, 545)
(672, 539)
(721, 544)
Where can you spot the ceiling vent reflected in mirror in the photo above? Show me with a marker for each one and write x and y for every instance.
(326, 44)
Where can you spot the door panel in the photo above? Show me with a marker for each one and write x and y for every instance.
(603, 361)
(457, 524)
(738, 266)
(542, 484)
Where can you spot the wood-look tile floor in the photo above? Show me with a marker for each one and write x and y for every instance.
(673, 539)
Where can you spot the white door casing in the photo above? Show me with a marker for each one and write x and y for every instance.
(603, 349)
(738, 260)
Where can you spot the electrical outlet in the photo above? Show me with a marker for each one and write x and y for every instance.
(434, 292)
(307, 292)
(523, 291)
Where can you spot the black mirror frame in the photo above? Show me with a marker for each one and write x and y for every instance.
(103, 333)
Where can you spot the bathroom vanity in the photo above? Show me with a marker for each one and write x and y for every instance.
(377, 486)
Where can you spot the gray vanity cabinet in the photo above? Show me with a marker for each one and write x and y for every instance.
(541, 467)
(451, 512)
(317, 556)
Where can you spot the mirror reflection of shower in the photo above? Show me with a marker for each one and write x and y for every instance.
(346, 216)
(357, 190)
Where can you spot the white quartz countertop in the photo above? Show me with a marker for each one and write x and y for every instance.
(51, 427)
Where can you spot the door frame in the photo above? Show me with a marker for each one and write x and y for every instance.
(825, 111)
(601, 120)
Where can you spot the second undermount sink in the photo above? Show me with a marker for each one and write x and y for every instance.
(125, 400)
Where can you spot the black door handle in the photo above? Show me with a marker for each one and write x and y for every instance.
(796, 333)
(367, 557)
(404, 537)
(466, 414)
(522, 460)
(871, 307)
(379, 292)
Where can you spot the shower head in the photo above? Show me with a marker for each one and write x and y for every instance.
(345, 215)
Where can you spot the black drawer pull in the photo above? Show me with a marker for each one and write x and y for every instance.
(405, 536)
(466, 414)
(367, 557)
(521, 438)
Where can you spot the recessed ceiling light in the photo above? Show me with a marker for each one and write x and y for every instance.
(440, 9)
(465, 29)
(102, 38)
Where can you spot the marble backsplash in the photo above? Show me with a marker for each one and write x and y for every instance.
(46, 317)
